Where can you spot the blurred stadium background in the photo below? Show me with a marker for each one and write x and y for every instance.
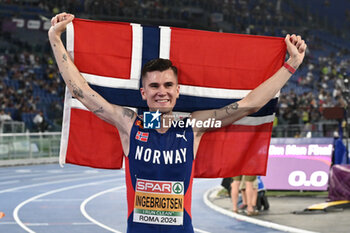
(312, 104)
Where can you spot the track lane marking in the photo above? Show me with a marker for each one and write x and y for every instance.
(86, 215)
(8, 223)
(18, 207)
(200, 231)
(58, 200)
(9, 182)
(54, 182)
(8, 177)
(60, 176)
(11, 175)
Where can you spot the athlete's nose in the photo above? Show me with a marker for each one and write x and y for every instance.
(161, 91)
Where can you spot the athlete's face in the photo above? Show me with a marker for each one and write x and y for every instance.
(160, 90)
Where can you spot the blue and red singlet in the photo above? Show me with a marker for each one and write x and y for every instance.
(159, 175)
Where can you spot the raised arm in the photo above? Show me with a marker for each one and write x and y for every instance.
(116, 115)
(257, 98)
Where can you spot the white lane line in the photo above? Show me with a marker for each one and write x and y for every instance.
(18, 207)
(8, 177)
(58, 200)
(8, 223)
(86, 215)
(91, 171)
(200, 231)
(9, 182)
(45, 224)
(82, 223)
(38, 224)
(23, 171)
(248, 219)
(59, 177)
(50, 224)
(56, 171)
(54, 182)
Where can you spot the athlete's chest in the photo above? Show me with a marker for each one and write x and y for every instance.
(171, 148)
(161, 155)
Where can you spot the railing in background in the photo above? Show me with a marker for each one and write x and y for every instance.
(12, 127)
(29, 145)
(314, 130)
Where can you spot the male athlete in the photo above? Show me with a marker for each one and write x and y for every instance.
(159, 172)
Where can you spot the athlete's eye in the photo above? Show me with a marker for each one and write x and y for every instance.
(169, 84)
(154, 85)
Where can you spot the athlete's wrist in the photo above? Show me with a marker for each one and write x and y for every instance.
(293, 62)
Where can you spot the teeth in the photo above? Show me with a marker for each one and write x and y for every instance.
(162, 101)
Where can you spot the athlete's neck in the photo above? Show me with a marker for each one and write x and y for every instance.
(165, 118)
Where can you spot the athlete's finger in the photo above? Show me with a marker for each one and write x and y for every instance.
(54, 20)
(61, 16)
(293, 39)
(287, 39)
(299, 43)
(302, 47)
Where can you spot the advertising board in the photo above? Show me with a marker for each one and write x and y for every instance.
(298, 164)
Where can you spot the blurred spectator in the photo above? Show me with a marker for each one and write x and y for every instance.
(5, 116)
(39, 122)
(248, 186)
(29, 80)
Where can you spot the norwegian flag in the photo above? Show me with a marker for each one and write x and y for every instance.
(215, 69)
(141, 136)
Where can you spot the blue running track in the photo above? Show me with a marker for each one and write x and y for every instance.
(73, 199)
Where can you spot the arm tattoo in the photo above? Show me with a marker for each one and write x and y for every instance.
(128, 113)
(99, 110)
(64, 57)
(76, 90)
(229, 108)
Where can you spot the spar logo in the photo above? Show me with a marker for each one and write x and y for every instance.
(178, 188)
(153, 186)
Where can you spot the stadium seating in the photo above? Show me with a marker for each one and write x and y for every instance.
(328, 48)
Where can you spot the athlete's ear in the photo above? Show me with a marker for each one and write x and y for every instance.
(178, 91)
(142, 93)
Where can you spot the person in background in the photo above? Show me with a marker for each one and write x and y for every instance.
(248, 187)
(5, 116)
(262, 202)
(39, 121)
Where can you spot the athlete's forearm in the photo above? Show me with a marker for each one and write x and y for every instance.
(258, 97)
(69, 72)
(255, 100)
(76, 83)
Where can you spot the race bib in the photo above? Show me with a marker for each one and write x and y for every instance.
(159, 202)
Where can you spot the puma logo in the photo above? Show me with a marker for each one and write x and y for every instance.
(181, 135)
